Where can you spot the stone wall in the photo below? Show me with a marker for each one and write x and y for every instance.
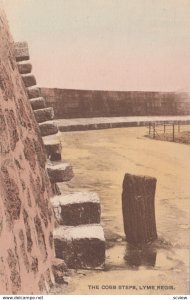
(26, 218)
(36, 248)
(86, 104)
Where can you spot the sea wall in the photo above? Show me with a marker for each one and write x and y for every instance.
(69, 103)
(38, 221)
(26, 217)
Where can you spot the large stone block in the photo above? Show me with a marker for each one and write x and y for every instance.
(48, 128)
(21, 51)
(60, 172)
(24, 68)
(53, 149)
(138, 208)
(81, 247)
(29, 80)
(59, 269)
(44, 114)
(33, 92)
(38, 103)
(77, 208)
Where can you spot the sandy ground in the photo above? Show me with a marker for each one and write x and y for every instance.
(180, 137)
(100, 160)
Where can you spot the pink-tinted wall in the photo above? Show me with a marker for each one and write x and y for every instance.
(26, 218)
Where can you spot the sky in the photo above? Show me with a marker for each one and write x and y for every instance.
(105, 44)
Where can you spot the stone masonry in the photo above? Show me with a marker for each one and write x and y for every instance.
(79, 212)
(28, 181)
(73, 103)
(26, 217)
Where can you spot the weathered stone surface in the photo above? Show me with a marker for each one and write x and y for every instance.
(60, 172)
(4, 147)
(48, 128)
(29, 80)
(3, 275)
(40, 151)
(81, 247)
(12, 200)
(100, 104)
(24, 68)
(33, 92)
(77, 208)
(50, 281)
(138, 208)
(53, 150)
(38, 103)
(59, 269)
(42, 285)
(41, 238)
(44, 114)
(25, 250)
(29, 152)
(21, 51)
(12, 128)
(13, 265)
(55, 189)
(28, 231)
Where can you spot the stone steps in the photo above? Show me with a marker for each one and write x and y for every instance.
(44, 114)
(38, 103)
(77, 208)
(59, 269)
(33, 92)
(21, 51)
(53, 150)
(79, 241)
(24, 67)
(81, 247)
(48, 128)
(60, 172)
(29, 80)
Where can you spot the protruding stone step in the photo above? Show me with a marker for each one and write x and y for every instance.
(81, 247)
(54, 137)
(29, 80)
(21, 51)
(60, 172)
(33, 92)
(138, 208)
(44, 114)
(53, 150)
(77, 208)
(38, 103)
(48, 128)
(24, 67)
(59, 269)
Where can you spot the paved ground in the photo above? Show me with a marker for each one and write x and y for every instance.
(100, 159)
(112, 122)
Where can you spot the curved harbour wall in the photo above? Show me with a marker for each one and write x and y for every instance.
(69, 103)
